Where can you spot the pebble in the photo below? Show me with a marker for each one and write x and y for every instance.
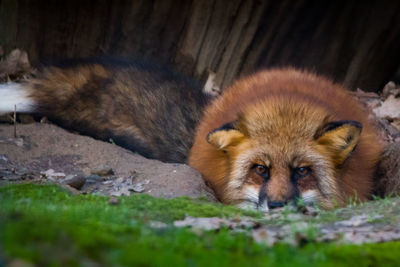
(3, 158)
(103, 170)
(51, 175)
(121, 192)
(113, 201)
(76, 181)
(138, 188)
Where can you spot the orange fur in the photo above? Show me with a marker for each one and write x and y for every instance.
(281, 115)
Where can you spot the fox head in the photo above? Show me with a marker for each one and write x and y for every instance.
(280, 151)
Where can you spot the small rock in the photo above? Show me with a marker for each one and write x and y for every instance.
(119, 180)
(137, 188)
(3, 158)
(95, 177)
(69, 177)
(51, 175)
(389, 108)
(103, 170)
(19, 142)
(121, 192)
(76, 181)
(113, 201)
(388, 88)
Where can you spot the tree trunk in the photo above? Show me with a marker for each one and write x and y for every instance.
(354, 42)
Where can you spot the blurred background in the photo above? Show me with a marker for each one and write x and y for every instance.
(353, 42)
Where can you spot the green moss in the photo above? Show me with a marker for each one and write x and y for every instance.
(380, 210)
(138, 207)
(386, 209)
(48, 226)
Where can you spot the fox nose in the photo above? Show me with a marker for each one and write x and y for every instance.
(276, 204)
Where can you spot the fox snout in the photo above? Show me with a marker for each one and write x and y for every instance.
(276, 194)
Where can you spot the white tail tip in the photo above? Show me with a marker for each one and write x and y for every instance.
(15, 94)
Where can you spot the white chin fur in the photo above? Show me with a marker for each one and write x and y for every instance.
(263, 207)
(252, 194)
(309, 197)
(14, 94)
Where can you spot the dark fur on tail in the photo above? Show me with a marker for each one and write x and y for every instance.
(141, 106)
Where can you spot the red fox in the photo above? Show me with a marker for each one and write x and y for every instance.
(269, 139)
(280, 135)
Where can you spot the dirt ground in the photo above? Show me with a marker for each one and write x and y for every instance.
(44, 152)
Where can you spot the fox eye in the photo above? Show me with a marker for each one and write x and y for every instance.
(260, 169)
(301, 172)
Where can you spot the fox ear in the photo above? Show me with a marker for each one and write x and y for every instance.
(225, 136)
(340, 138)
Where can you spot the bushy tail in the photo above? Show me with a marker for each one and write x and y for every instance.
(15, 94)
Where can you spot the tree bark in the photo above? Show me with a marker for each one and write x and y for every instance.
(353, 42)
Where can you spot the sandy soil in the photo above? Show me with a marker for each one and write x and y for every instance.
(45, 152)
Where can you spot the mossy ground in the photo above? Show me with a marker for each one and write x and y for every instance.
(46, 225)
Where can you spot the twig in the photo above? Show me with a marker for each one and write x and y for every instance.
(15, 121)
